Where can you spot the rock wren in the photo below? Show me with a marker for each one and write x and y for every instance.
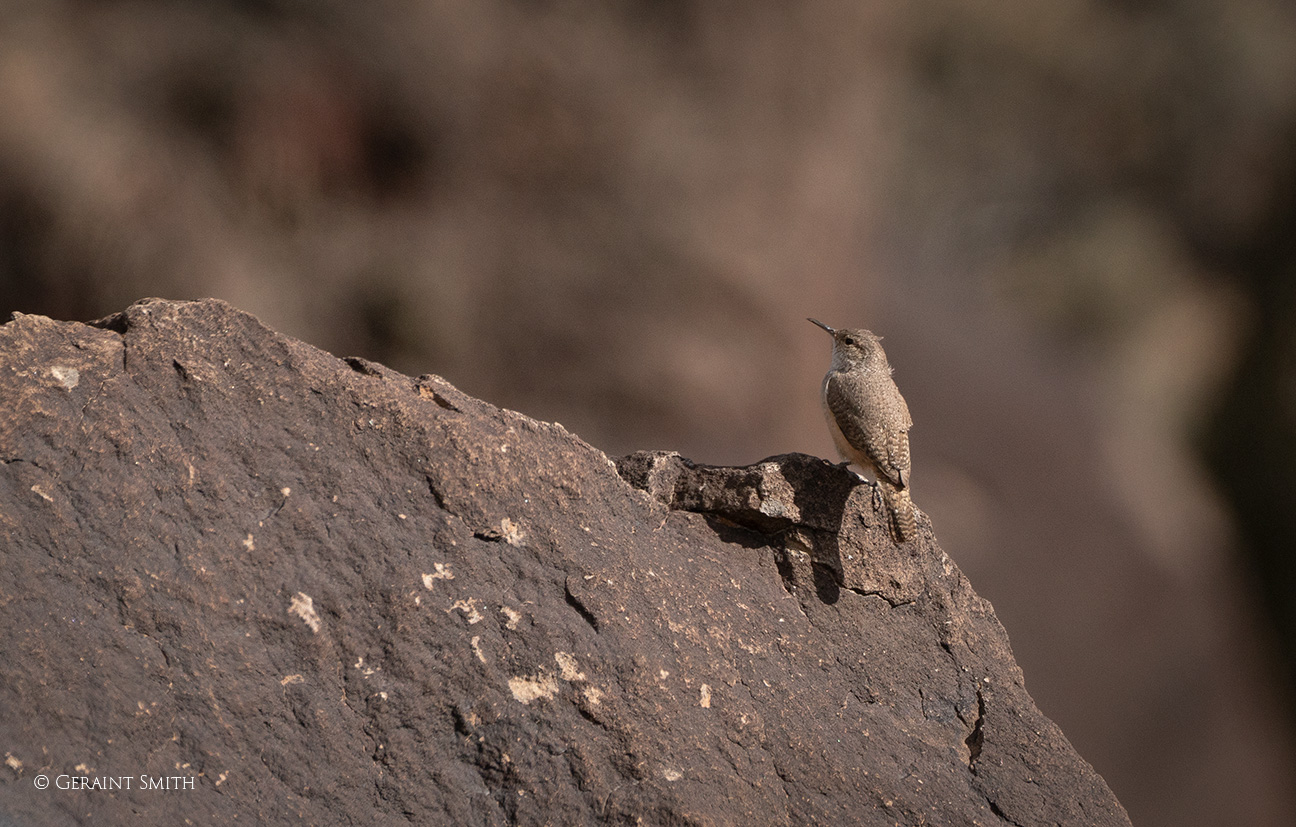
(869, 419)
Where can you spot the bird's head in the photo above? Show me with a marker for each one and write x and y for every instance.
(853, 346)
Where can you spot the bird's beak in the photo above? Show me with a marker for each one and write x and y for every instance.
(831, 332)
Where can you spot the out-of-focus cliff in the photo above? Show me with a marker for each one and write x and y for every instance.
(1067, 221)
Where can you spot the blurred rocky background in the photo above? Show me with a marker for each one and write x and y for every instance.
(1074, 222)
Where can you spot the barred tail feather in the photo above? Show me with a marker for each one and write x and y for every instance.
(900, 507)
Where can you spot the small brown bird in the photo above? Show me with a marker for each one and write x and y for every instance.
(869, 419)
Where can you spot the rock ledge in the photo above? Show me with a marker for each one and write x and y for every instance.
(329, 593)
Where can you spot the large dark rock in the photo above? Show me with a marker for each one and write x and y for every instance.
(317, 591)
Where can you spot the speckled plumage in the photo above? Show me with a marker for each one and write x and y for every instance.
(869, 419)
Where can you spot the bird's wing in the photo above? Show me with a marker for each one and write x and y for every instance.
(887, 449)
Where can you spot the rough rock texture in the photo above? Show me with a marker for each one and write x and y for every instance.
(333, 594)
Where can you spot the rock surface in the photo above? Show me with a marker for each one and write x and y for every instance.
(313, 590)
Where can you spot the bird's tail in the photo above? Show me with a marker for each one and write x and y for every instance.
(901, 509)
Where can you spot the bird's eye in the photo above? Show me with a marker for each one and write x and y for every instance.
(848, 341)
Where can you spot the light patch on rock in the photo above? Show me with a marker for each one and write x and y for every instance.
(69, 378)
(440, 572)
(13, 763)
(512, 615)
(706, 696)
(476, 647)
(528, 689)
(291, 679)
(304, 607)
(469, 608)
(672, 774)
(567, 665)
(593, 695)
(249, 543)
(773, 508)
(512, 534)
